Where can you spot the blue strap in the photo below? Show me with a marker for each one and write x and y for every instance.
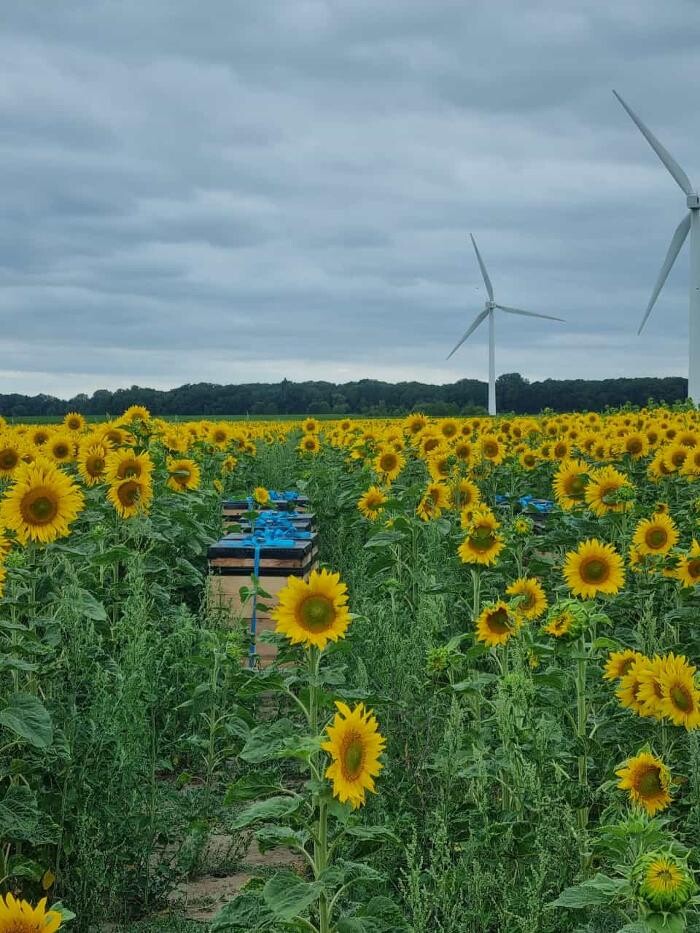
(253, 616)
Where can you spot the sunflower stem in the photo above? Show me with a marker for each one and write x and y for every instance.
(581, 733)
(476, 589)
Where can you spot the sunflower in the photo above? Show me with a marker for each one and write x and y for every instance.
(354, 744)
(11, 451)
(20, 917)
(619, 663)
(569, 483)
(92, 463)
(415, 423)
(463, 451)
(594, 568)
(483, 544)
(674, 457)
(491, 448)
(315, 612)
(635, 445)
(440, 465)
(42, 503)
(229, 464)
(680, 700)
(627, 691)
(430, 443)
(559, 622)
(687, 569)
(125, 464)
(530, 596)
(311, 426)
(663, 881)
(74, 422)
(40, 436)
(691, 466)
(435, 498)
(389, 463)
(309, 444)
(648, 780)
(135, 413)
(466, 494)
(449, 428)
(496, 624)
(184, 474)
(114, 436)
(371, 502)
(655, 535)
(528, 459)
(131, 496)
(603, 491)
(61, 447)
(219, 435)
(649, 692)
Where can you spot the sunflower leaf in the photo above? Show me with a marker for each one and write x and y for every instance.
(274, 808)
(287, 895)
(597, 890)
(26, 716)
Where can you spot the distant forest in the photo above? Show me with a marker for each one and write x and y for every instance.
(366, 397)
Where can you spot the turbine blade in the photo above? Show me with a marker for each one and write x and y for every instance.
(663, 153)
(677, 241)
(475, 323)
(487, 280)
(549, 317)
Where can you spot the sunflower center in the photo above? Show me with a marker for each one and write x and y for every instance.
(595, 570)
(60, 451)
(95, 466)
(498, 622)
(352, 757)
(9, 459)
(678, 458)
(317, 613)
(576, 487)
(656, 538)
(129, 494)
(681, 698)
(387, 462)
(39, 506)
(693, 568)
(529, 460)
(490, 449)
(650, 783)
(481, 539)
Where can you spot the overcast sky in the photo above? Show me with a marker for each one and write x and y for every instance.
(247, 190)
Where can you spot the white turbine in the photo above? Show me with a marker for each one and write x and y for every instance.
(691, 222)
(489, 307)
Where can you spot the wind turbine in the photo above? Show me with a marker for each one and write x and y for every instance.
(691, 222)
(489, 307)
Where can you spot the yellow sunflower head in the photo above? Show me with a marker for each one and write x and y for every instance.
(680, 699)
(594, 568)
(42, 503)
(315, 612)
(124, 463)
(354, 745)
(132, 496)
(18, 916)
(184, 474)
(371, 502)
(496, 624)
(655, 535)
(74, 421)
(619, 663)
(528, 597)
(92, 463)
(648, 781)
(482, 544)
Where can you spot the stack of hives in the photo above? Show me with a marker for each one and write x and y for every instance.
(269, 545)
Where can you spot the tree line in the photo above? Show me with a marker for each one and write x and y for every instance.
(365, 397)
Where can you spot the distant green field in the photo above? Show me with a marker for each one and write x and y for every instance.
(97, 419)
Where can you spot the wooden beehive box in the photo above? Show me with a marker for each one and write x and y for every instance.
(302, 521)
(231, 565)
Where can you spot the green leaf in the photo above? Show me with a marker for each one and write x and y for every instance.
(90, 607)
(267, 741)
(250, 787)
(274, 808)
(269, 837)
(287, 895)
(27, 716)
(374, 833)
(19, 813)
(380, 915)
(244, 913)
(597, 890)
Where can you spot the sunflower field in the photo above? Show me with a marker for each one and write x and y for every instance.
(476, 709)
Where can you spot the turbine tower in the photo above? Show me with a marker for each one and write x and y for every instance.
(489, 307)
(690, 223)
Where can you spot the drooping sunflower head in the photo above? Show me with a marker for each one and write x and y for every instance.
(570, 483)
(482, 544)
(41, 504)
(680, 699)
(17, 916)
(620, 662)
(354, 744)
(529, 599)
(594, 568)
(663, 881)
(315, 612)
(648, 781)
(371, 502)
(92, 462)
(184, 474)
(496, 624)
(131, 496)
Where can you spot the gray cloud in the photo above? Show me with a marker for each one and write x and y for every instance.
(229, 191)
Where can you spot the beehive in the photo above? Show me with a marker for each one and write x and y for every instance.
(234, 509)
(231, 565)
